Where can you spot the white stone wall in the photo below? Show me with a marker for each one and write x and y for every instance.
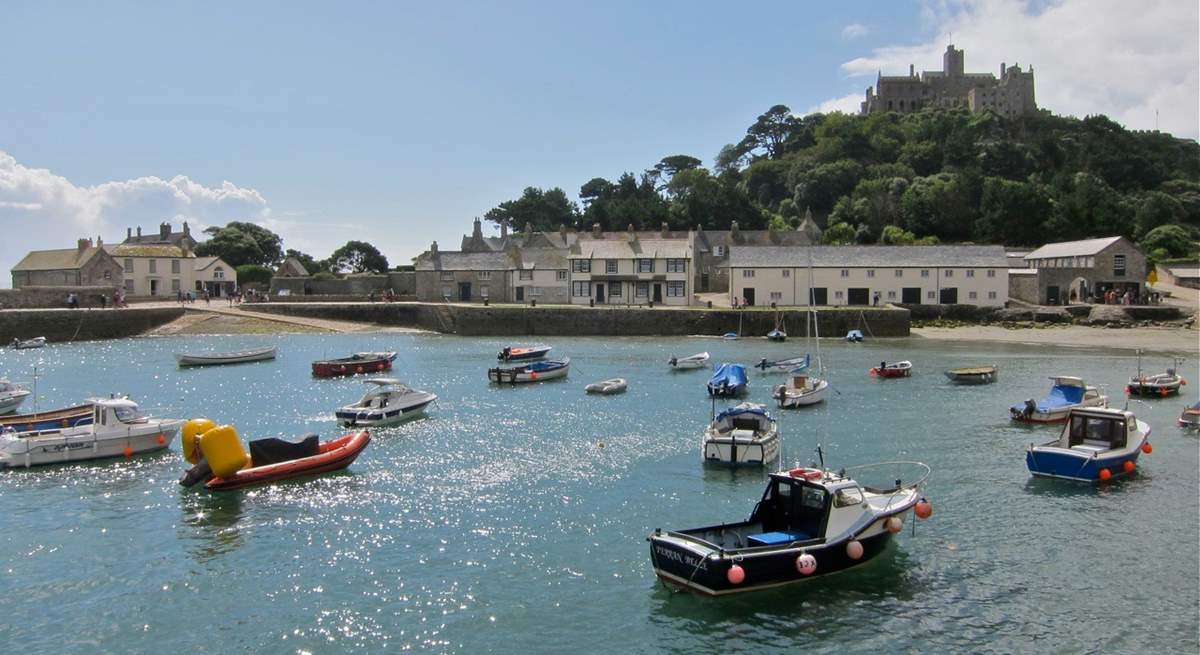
(584, 286)
(140, 279)
(788, 286)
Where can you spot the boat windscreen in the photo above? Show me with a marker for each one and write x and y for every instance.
(1062, 395)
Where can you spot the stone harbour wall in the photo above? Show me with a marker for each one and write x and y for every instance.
(53, 297)
(62, 325)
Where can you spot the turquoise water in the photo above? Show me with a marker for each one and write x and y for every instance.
(514, 519)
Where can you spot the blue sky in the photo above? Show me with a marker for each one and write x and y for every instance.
(397, 123)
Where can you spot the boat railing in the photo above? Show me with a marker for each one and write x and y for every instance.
(901, 486)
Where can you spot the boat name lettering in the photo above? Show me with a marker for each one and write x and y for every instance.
(681, 558)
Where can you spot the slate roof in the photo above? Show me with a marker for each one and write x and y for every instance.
(145, 250)
(291, 267)
(462, 261)
(1083, 248)
(541, 259)
(868, 256)
(623, 248)
(56, 260)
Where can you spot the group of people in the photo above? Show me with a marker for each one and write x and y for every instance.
(1129, 297)
(387, 295)
(118, 300)
(187, 297)
(739, 302)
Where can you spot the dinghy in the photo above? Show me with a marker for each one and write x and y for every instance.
(1158, 385)
(36, 342)
(972, 375)
(799, 391)
(607, 387)
(809, 522)
(1096, 445)
(777, 335)
(745, 434)
(117, 429)
(1190, 416)
(1066, 393)
(854, 336)
(699, 360)
(728, 380)
(389, 402)
(534, 372)
(900, 369)
(793, 365)
(48, 420)
(523, 353)
(353, 365)
(216, 359)
(11, 396)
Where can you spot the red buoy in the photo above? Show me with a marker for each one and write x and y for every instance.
(128, 451)
(1129, 466)
(1105, 474)
(735, 575)
(924, 509)
(1147, 448)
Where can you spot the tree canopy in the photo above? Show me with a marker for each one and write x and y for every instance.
(241, 243)
(358, 257)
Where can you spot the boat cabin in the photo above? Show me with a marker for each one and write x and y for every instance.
(743, 419)
(1097, 430)
(385, 390)
(114, 412)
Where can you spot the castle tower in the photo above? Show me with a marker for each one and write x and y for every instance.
(953, 62)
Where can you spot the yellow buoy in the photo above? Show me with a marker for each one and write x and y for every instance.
(223, 450)
(191, 432)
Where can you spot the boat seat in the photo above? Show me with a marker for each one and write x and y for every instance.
(275, 451)
(777, 538)
(1092, 446)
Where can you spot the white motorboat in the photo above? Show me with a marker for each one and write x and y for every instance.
(388, 403)
(11, 396)
(214, 359)
(744, 434)
(607, 387)
(549, 369)
(117, 429)
(1159, 384)
(1067, 393)
(800, 390)
(36, 342)
(699, 360)
(792, 365)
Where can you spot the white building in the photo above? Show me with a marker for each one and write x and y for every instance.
(214, 276)
(539, 274)
(866, 275)
(629, 270)
(155, 270)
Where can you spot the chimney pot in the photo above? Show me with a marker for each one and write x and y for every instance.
(128, 233)
(433, 247)
(139, 231)
(596, 232)
(664, 230)
(84, 244)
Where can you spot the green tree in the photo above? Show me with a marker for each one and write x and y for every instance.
(935, 205)
(358, 257)
(1156, 208)
(1012, 213)
(821, 187)
(1172, 239)
(630, 200)
(669, 166)
(544, 210)
(838, 234)
(241, 243)
(894, 235)
(1087, 206)
(698, 198)
(771, 132)
(253, 274)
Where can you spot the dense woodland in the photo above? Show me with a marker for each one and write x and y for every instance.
(934, 176)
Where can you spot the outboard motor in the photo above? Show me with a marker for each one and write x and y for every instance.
(1030, 407)
(673, 361)
(763, 363)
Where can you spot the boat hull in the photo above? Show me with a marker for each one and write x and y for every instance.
(521, 375)
(218, 359)
(335, 454)
(1053, 414)
(68, 417)
(374, 418)
(889, 373)
(973, 377)
(734, 451)
(524, 354)
(338, 368)
(1154, 390)
(76, 445)
(11, 401)
(1053, 462)
(792, 399)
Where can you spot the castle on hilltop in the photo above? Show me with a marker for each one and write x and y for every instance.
(1010, 95)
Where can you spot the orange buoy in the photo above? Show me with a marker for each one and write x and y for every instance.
(923, 509)
(1162, 392)
(1129, 466)
(128, 451)
(894, 525)
(533, 375)
(854, 550)
(806, 564)
(162, 441)
(1105, 474)
(1147, 448)
(360, 369)
(736, 574)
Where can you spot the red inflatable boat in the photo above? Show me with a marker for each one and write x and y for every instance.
(353, 365)
(897, 370)
(331, 456)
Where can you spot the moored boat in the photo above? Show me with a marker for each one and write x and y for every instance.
(777, 335)
(1190, 416)
(533, 372)
(809, 522)
(1096, 445)
(523, 353)
(793, 365)
(800, 390)
(607, 387)
(744, 434)
(36, 342)
(699, 360)
(117, 429)
(48, 420)
(1067, 393)
(854, 336)
(355, 364)
(216, 359)
(901, 369)
(973, 375)
(1158, 385)
(728, 380)
(388, 403)
(11, 396)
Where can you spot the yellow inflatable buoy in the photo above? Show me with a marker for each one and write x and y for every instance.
(191, 432)
(223, 450)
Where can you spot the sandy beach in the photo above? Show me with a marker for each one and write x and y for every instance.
(1181, 341)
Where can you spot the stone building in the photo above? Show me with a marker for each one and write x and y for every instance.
(155, 269)
(462, 276)
(215, 276)
(1011, 94)
(624, 269)
(1082, 271)
(86, 264)
(164, 237)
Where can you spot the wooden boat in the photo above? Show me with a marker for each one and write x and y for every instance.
(728, 380)
(36, 342)
(744, 434)
(533, 372)
(326, 456)
(900, 369)
(11, 396)
(809, 522)
(793, 365)
(607, 387)
(1158, 385)
(215, 359)
(388, 403)
(972, 375)
(699, 360)
(1190, 416)
(523, 353)
(117, 429)
(1096, 445)
(49, 420)
(354, 364)
(1066, 393)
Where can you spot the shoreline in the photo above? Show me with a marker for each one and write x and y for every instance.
(1180, 340)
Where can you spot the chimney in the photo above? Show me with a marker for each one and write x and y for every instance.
(912, 70)
(664, 232)
(99, 241)
(562, 231)
(733, 231)
(84, 244)
(503, 229)
(128, 233)
(632, 233)
(477, 233)
(187, 231)
(433, 248)
(596, 232)
(139, 233)
(164, 231)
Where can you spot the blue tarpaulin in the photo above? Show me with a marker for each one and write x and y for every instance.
(729, 375)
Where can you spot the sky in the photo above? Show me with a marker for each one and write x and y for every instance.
(397, 123)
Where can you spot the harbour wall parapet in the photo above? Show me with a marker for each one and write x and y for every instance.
(59, 325)
(54, 297)
(502, 320)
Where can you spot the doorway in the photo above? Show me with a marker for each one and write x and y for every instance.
(819, 296)
(154, 287)
(910, 295)
(520, 294)
(657, 293)
(599, 292)
(464, 291)
(858, 296)
(949, 296)
(748, 295)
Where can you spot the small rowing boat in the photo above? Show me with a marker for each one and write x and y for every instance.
(793, 365)
(36, 342)
(699, 360)
(523, 353)
(972, 375)
(607, 387)
(66, 417)
(353, 365)
(533, 372)
(901, 369)
(216, 359)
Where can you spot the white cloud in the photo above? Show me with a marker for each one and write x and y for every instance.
(40, 210)
(849, 104)
(854, 31)
(1114, 57)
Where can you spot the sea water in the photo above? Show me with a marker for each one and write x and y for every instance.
(514, 519)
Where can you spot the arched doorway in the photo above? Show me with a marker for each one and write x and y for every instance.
(1080, 290)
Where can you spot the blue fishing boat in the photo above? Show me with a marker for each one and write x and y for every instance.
(54, 419)
(1067, 393)
(728, 380)
(1096, 445)
(549, 369)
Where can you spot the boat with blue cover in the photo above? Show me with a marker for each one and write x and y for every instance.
(1096, 445)
(728, 380)
(854, 336)
(792, 365)
(549, 369)
(745, 434)
(1067, 393)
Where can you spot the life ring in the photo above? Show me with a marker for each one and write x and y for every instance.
(812, 475)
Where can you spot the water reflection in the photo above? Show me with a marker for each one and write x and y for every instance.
(210, 523)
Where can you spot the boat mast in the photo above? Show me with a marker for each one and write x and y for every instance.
(812, 315)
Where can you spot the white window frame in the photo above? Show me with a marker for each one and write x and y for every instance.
(581, 266)
(899, 272)
(484, 290)
(447, 276)
(845, 272)
(561, 275)
(991, 295)
(787, 272)
(645, 266)
(641, 289)
(924, 272)
(525, 274)
(870, 272)
(991, 272)
(748, 272)
(972, 295)
(614, 289)
(970, 272)
(676, 288)
(776, 296)
(581, 289)
(610, 266)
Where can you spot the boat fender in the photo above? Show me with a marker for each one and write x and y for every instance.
(201, 472)
(854, 550)
(736, 575)
(190, 436)
(893, 525)
(806, 564)
(1129, 466)
(127, 451)
(923, 509)
(1147, 448)
(1105, 474)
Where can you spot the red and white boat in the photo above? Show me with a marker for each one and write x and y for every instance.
(287, 460)
(353, 365)
(895, 370)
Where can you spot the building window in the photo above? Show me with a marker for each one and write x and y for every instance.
(642, 289)
(614, 289)
(219, 273)
(129, 286)
(845, 272)
(949, 272)
(891, 295)
(1118, 265)
(483, 291)
(931, 295)
(676, 288)
(153, 265)
(525, 275)
(175, 267)
(991, 272)
(838, 295)
(719, 251)
(175, 284)
(535, 291)
(485, 275)
(581, 265)
(677, 266)
(787, 272)
(776, 296)
(645, 266)
(108, 275)
(991, 295)
(610, 266)
(447, 275)
(128, 265)
(970, 272)
(562, 275)
(972, 295)
(446, 292)
(924, 272)
(749, 272)
(899, 272)
(870, 272)
(581, 289)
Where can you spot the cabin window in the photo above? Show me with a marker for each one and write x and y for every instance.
(812, 498)
(847, 497)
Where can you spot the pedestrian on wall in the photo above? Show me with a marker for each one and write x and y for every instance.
(877, 298)
(103, 301)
